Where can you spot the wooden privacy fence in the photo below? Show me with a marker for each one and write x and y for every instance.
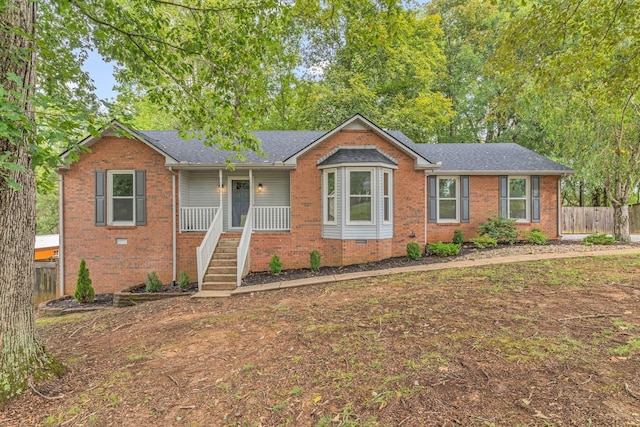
(576, 220)
(46, 285)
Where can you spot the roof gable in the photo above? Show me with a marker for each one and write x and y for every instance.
(116, 128)
(358, 122)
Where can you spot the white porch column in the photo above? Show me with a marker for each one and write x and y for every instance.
(251, 188)
(220, 184)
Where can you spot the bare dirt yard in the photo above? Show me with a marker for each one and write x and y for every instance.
(546, 343)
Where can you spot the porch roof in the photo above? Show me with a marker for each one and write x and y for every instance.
(277, 145)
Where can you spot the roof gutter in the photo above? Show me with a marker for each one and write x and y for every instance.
(505, 172)
(236, 166)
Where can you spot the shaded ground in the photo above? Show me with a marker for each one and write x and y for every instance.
(538, 343)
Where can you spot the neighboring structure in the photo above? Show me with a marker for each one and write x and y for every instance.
(357, 193)
(47, 247)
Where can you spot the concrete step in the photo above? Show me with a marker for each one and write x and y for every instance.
(225, 256)
(220, 278)
(226, 249)
(229, 241)
(212, 294)
(223, 262)
(218, 286)
(221, 269)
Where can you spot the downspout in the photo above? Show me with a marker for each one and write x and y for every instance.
(174, 232)
(61, 233)
(559, 215)
(426, 174)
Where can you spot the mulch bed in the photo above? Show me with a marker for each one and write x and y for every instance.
(106, 300)
(102, 300)
(262, 277)
(259, 278)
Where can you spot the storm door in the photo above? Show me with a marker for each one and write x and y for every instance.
(240, 198)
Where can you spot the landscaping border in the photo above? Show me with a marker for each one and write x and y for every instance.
(127, 298)
(45, 311)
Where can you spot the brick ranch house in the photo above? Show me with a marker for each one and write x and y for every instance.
(151, 201)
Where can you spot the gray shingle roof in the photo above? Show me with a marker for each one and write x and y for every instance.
(494, 157)
(280, 145)
(277, 145)
(357, 155)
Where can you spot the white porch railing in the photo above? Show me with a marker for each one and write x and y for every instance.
(244, 247)
(208, 245)
(271, 218)
(196, 219)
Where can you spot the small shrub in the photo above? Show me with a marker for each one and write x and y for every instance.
(458, 237)
(484, 241)
(413, 250)
(183, 280)
(314, 260)
(84, 291)
(275, 265)
(444, 249)
(502, 229)
(599, 239)
(153, 283)
(535, 237)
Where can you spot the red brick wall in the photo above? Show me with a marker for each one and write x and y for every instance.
(149, 248)
(306, 211)
(484, 200)
(186, 244)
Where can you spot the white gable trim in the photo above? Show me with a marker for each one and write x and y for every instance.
(358, 122)
(112, 129)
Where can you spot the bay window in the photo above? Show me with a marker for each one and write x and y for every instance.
(330, 197)
(360, 207)
(386, 197)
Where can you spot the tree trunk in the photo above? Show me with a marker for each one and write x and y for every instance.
(21, 353)
(621, 223)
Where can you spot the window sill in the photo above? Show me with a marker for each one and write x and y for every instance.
(457, 223)
(121, 227)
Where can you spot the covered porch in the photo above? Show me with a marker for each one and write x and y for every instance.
(234, 193)
(231, 203)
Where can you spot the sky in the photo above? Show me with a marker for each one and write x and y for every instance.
(102, 74)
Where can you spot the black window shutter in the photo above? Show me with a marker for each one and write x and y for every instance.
(433, 199)
(535, 199)
(504, 195)
(140, 199)
(464, 200)
(100, 198)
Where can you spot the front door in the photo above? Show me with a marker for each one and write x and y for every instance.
(240, 198)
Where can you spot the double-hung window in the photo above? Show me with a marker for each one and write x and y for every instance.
(518, 196)
(330, 197)
(121, 197)
(360, 205)
(448, 199)
(386, 196)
